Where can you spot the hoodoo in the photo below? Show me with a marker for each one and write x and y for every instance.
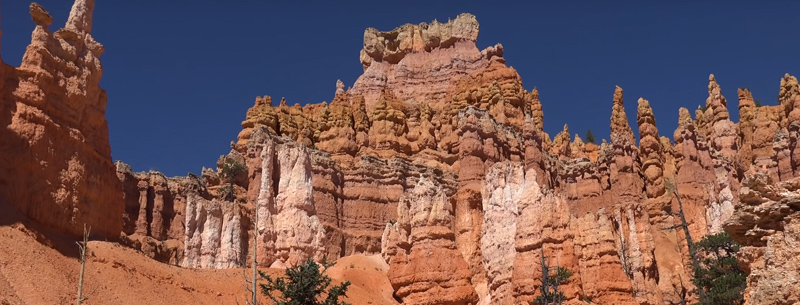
(435, 162)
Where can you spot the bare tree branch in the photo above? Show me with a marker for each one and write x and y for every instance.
(83, 247)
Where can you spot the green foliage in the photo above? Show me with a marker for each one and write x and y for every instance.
(719, 275)
(230, 169)
(550, 293)
(758, 103)
(590, 137)
(702, 108)
(304, 284)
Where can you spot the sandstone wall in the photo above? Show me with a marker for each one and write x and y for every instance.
(435, 158)
(767, 224)
(460, 117)
(56, 160)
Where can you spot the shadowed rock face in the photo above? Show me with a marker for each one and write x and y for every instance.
(56, 161)
(435, 158)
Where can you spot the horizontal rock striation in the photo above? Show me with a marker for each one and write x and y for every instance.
(56, 160)
(436, 158)
(445, 112)
(767, 224)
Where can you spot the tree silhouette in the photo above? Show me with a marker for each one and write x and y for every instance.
(230, 169)
(590, 137)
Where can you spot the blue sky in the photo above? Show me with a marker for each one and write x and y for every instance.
(181, 74)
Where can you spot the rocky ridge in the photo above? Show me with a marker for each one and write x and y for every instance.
(56, 160)
(435, 158)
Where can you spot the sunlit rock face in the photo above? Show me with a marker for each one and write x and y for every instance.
(435, 159)
(56, 166)
(432, 108)
(766, 222)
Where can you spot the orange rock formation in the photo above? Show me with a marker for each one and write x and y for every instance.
(56, 166)
(435, 159)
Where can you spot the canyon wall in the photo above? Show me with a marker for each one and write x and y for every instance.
(436, 159)
(433, 112)
(55, 160)
(461, 114)
(767, 224)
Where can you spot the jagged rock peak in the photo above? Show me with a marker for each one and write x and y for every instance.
(744, 96)
(789, 89)
(620, 129)
(339, 87)
(536, 109)
(716, 102)
(80, 17)
(645, 117)
(392, 46)
(746, 104)
(40, 15)
(650, 150)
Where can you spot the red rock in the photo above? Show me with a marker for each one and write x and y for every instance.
(767, 224)
(57, 166)
(425, 265)
(436, 158)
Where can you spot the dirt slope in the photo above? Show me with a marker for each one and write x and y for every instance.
(38, 269)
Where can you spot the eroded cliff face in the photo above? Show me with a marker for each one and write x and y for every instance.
(767, 224)
(436, 159)
(425, 264)
(56, 160)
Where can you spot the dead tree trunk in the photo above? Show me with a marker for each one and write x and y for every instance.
(253, 290)
(84, 247)
(689, 241)
(251, 285)
(545, 280)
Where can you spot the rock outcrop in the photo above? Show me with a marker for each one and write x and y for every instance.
(156, 210)
(436, 158)
(425, 264)
(213, 237)
(288, 228)
(56, 160)
(431, 105)
(767, 224)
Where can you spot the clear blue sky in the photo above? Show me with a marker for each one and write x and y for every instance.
(181, 74)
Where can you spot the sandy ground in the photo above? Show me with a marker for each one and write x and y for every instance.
(37, 268)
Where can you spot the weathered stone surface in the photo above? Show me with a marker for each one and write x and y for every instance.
(767, 224)
(213, 238)
(56, 160)
(154, 221)
(425, 264)
(502, 191)
(288, 228)
(436, 158)
(650, 150)
(723, 137)
(394, 45)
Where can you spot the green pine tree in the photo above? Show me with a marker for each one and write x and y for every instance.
(719, 276)
(590, 137)
(230, 169)
(550, 294)
(304, 284)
